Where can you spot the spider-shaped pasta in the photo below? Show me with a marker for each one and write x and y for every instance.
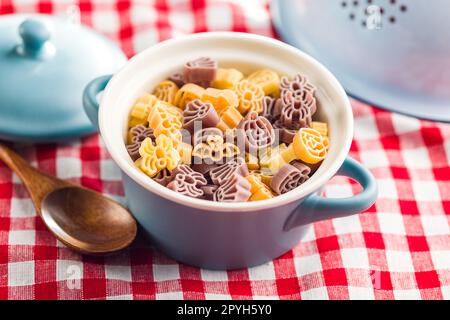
(250, 96)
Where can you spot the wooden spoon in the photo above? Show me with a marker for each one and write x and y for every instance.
(82, 219)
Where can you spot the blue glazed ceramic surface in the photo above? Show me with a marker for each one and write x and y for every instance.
(45, 63)
(393, 54)
(219, 235)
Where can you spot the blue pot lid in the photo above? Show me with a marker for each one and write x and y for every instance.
(45, 64)
(392, 54)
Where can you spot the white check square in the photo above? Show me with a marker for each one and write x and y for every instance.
(374, 158)
(416, 158)
(435, 225)
(355, 258)
(144, 39)
(262, 272)
(22, 237)
(68, 167)
(20, 273)
(320, 293)
(366, 128)
(109, 170)
(399, 261)
(307, 264)
(441, 259)
(410, 294)
(391, 223)
(360, 293)
(118, 272)
(404, 124)
(169, 296)
(105, 20)
(218, 17)
(348, 224)
(217, 296)
(22, 208)
(426, 191)
(387, 189)
(163, 272)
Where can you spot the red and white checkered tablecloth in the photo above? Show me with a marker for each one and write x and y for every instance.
(399, 248)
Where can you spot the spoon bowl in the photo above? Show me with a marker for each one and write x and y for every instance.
(88, 222)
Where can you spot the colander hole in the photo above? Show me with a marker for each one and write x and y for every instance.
(369, 1)
(392, 19)
(355, 3)
(403, 8)
(344, 4)
(351, 16)
(393, 1)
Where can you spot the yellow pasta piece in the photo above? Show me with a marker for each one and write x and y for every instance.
(170, 128)
(140, 111)
(265, 176)
(274, 159)
(252, 161)
(229, 119)
(226, 78)
(268, 80)
(185, 151)
(187, 93)
(166, 91)
(250, 96)
(322, 127)
(310, 146)
(258, 189)
(220, 99)
(215, 150)
(157, 157)
(164, 111)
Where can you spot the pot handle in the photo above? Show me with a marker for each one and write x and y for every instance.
(316, 208)
(90, 102)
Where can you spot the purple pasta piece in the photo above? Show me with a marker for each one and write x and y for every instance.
(163, 177)
(201, 71)
(271, 108)
(208, 191)
(285, 135)
(224, 172)
(133, 150)
(186, 181)
(177, 78)
(203, 168)
(138, 134)
(298, 84)
(235, 189)
(256, 132)
(200, 113)
(296, 114)
(289, 177)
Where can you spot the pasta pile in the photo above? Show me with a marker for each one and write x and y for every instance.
(216, 134)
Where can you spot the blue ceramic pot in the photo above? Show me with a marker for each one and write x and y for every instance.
(227, 235)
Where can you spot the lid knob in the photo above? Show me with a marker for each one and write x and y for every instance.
(35, 35)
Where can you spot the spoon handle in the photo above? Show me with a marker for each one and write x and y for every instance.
(38, 183)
